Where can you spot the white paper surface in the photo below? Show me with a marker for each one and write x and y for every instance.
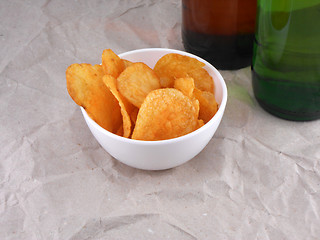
(258, 178)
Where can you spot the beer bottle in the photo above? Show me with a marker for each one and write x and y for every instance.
(220, 31)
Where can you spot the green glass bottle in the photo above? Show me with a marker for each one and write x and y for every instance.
(286, 58)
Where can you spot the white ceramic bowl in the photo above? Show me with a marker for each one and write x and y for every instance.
(164, 154)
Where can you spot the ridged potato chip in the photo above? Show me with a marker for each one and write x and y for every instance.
(126, 107)
(172, 66)
(166, 113)
(86, 88)
(136, 81)
(208, 104)
(112, 64)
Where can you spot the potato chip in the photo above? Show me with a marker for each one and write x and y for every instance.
(136, 81)
(165, 113)
(126, 107)
(202, 79)
(185, 85)
(126, 63)
(111, 63)
(208, 104)
(175, 98)
(119, 132)
(85, 86)
(200, 123)
(172, 66)
(134, 115)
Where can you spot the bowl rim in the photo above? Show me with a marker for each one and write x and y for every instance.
(220, 111)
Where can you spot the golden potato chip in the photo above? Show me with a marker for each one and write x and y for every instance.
(136, 81)
(111, 63)
(175, 98)
(200, 123)
(126, 63)
(172, 66)
(202, 79)
(119, 132)
(165, 113)
(208, 104)
(178, 59)
(126, 107)
(185, 85)
(85, 86)
(134, 115)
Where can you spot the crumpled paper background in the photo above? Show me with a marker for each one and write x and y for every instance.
(258, 178)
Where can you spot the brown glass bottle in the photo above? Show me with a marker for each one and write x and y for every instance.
(220, 31)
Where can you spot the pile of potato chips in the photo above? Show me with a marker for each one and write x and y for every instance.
(132, 100)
